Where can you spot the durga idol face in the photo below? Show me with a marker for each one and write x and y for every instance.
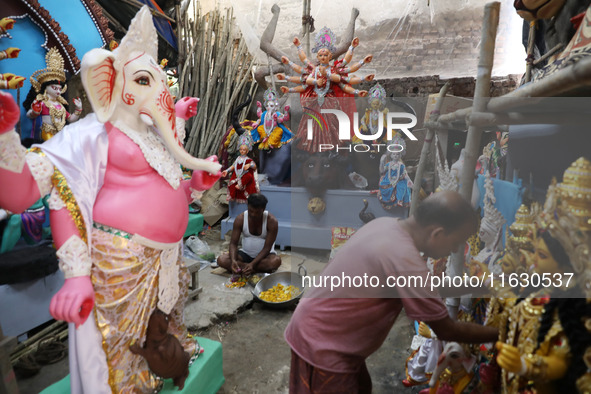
(324, 56)
(53, 91)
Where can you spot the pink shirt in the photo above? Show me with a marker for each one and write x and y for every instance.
(336, 330)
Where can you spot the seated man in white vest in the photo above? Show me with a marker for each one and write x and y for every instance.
(259, 230)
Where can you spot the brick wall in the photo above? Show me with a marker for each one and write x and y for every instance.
(449, 45)
(425, 85)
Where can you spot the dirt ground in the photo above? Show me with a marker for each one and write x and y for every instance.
(256, 358)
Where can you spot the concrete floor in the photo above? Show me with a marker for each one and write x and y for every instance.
(256, 358)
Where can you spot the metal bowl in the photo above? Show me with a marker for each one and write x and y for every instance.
(286, 279)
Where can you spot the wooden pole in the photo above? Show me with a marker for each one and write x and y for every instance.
(217, 68)
(561, 81)
(58, 325)
(306, 25)
(180, 38)
(481, 93)
(531, 40)
(511, 118)
(546, 55)
(425, 150)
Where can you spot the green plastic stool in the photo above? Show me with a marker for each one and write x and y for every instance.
(205, 375)
(195, 224)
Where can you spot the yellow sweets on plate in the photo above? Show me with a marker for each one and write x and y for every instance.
(280, 293)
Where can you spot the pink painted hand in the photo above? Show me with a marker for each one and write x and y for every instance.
(9, 112)
(203, 180)
(186, 107)
(74, 301)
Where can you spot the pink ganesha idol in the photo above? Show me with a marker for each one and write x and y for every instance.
(118, 210)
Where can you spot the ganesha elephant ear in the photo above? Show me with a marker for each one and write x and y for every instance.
(98, 78)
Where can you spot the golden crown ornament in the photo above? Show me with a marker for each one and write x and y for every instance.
(54, 70)
(566, 217)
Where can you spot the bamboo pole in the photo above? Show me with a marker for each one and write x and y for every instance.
(531, 40)
(180, 36)
(510, 118)
(546, 55)
(481, 92)
(60, 336)
(562, 81)
(459, 115)
(425, 150)
(217, 68)
(306, 26)
(45, 332)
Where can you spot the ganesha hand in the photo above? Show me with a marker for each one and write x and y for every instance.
(186, 107)
(286, 108)
(259, 105)
(74, 301)
(203, 180)
(9, 112)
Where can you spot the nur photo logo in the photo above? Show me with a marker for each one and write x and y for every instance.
(392, 125)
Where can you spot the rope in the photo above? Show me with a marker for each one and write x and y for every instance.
(50, 350)
(26, 366)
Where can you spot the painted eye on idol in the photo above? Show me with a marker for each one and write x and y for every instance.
(143, 81)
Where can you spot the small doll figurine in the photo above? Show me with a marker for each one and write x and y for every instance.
(270, 130)
(374, 119)
(490, 232)
(243, 181)
(395, 184)
(45, 97)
